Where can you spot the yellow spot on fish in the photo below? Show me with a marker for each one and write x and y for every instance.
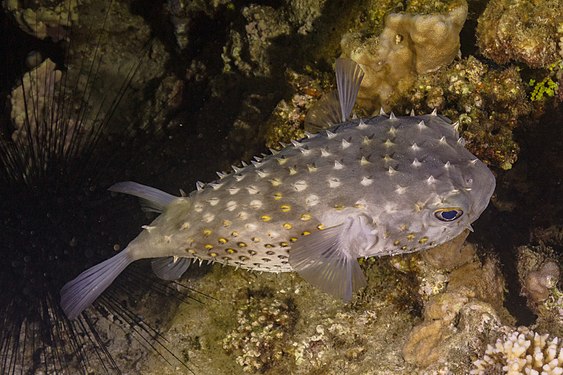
(404, 248)
(278, 196)
(423, 240)
(243, 258)
(265, 218)
(227, 223)
(275, 181)
(222, 240)
(234, 233)
(212, 254)
(185, 226)
(269, 245)
(231, 250)
(311, 168)
(284, 244)
(285, 207)
(410, 236)
(388, 143)
(397, 242)
(293, 239)
(282, 160)
(338, 207)
(207, 232)
(252, 252)
(191, 251)
(241, 244)
(255, 239)
(287, 226)
(321, 227)
(208, 246)
(305, 233)
(306, 216)
(292, 171)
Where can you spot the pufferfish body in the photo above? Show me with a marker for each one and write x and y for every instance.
(367, 187)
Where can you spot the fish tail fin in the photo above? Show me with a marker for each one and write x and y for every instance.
(79, 293)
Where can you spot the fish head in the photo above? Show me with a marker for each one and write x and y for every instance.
(457, 201)
(438, 208)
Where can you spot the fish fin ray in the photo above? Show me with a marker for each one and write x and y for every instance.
(79, 293)
(322, 259)
(170, 268)
(335, 107)
(324, 114)
(152, 199)
(349, 76)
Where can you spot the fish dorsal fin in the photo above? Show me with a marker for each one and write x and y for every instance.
(152, 200)
(170, 268)
(336, 106)
(324, 114)
(328, 259)
(349, 76)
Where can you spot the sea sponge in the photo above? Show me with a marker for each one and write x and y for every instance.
(522, 351)
(410, 44)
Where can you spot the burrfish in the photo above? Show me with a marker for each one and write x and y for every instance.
(364, 187)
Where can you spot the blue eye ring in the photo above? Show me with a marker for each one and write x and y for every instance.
(448, 214)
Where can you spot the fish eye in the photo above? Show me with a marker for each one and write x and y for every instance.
(448, 214)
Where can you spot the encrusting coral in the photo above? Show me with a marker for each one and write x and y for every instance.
(524, 31)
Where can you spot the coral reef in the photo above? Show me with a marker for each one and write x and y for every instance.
(539, 277)
(409, 44)
(264, 324)
(44, 20)
(487, 103)
(522, 351)
(523, 31)
(36, 90)
(464, 303)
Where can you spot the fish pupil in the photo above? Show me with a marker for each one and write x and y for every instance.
(448, 215)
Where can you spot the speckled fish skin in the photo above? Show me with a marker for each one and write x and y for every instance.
(391, 174)
(379, 186)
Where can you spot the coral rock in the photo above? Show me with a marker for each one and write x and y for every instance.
(409, 45)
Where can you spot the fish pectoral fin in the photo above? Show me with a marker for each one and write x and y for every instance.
(152, 200)
(170, 268)
(323, 259)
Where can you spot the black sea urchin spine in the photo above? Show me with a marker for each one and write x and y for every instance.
(55, 213)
